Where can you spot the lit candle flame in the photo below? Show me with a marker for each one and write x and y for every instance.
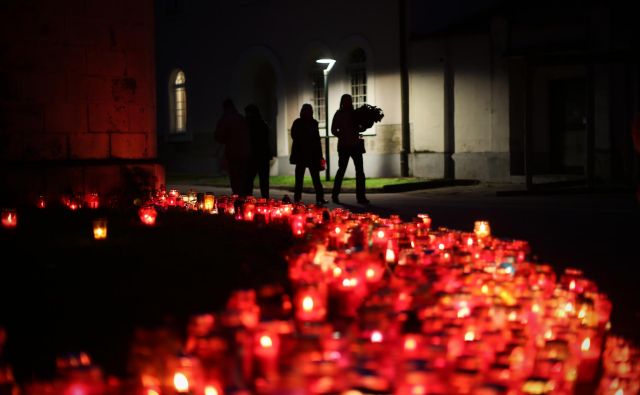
(211, 390)
(370, 273)
(349, 282)
(482, 229)
(180, 382)
(390, 256)
(376, 337)
(410, 344)
(266, 342)
(307, 303)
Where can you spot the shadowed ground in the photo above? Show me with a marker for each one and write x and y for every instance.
(63, 291)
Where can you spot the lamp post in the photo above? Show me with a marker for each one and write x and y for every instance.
(329, 65)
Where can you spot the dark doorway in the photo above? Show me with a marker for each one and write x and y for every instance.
(568, 126)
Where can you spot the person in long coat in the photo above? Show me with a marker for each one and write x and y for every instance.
(260, 150)
(232, 131)
(306, 152)
(347, 129)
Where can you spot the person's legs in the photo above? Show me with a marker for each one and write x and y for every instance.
(249, 169)
(235, 179)
(317, 185)
(263, 173)
(297, 194)
(360, 178)
(343, 161)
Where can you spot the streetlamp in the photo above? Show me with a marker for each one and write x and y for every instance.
(329, 65)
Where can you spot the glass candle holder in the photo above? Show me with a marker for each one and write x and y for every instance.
(9, 218)
(482, 229)
(209, 202)
(92, 200)
(100, 228)
(147, 215)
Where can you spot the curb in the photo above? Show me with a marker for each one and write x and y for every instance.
(408, 187)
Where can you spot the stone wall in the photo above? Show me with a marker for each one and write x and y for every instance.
(77, 96)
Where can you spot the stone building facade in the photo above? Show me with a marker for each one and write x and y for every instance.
(496, 90)
(77, 104)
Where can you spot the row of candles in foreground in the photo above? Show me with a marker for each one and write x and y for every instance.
(377, 305)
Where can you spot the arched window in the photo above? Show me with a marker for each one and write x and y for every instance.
(319, 105)
(178, 96)
(357, 69)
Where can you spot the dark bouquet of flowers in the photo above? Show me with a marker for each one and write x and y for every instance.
(367, 114)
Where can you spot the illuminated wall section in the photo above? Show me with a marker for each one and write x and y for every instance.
(477, 138)
(77, 107)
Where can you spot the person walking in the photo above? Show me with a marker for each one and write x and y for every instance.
(260, 150)
(350, 145)
(233, 132)
(306, 153)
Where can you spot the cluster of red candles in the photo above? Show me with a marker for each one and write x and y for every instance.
(378, 305)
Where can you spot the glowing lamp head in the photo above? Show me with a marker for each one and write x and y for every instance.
(586, 345)
(328, 62)
(180, 382)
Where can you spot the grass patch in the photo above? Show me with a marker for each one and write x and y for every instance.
(288, 182)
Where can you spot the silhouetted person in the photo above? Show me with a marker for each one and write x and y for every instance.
(344, 127)
(260, 150)
(306, 152)
(233, 132)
